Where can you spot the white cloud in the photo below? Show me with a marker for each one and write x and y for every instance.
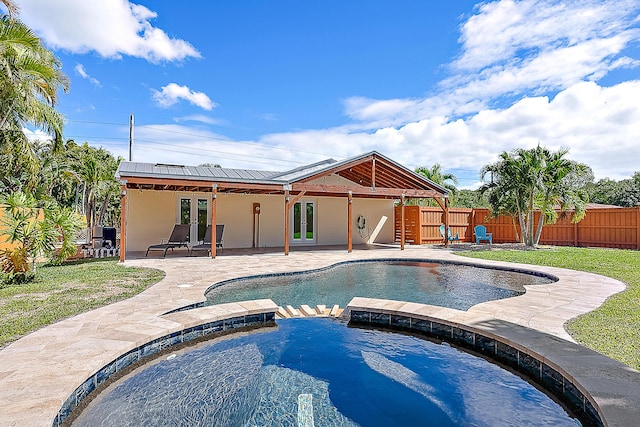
(172, 93)
(111, 28)
(510, 48)
(502, 31)
(199, 118)
(79, 69)
(599, 125)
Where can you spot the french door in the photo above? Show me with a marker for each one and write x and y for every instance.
(195, 211)
(303, 227)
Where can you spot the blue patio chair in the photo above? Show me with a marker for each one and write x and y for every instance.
(449, 236)
(481, 234)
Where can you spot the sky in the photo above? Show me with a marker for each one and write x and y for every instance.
(277, 84)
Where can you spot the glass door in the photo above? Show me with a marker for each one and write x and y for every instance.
(194, 211)
(303, 226)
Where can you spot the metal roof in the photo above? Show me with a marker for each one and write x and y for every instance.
(369, 170)
(204, 173)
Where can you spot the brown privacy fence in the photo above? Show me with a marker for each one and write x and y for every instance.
(602, 227)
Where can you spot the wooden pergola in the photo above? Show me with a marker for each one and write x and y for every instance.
(371, 176)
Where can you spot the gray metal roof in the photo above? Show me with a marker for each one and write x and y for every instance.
(158, 170)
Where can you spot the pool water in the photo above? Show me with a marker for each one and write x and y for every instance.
(447, 285)
(320, 371)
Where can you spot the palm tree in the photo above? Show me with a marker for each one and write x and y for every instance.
(526, 180)
(12, 8)
(438, 176)
(95, 172)
(30, 77)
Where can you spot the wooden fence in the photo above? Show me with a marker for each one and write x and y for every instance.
(601, 227)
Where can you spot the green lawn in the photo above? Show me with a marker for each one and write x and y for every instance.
(614, 328)
(63, 291)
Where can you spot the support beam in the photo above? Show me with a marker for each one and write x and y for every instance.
(373, 172)
(296, 198)
(402, 236)
(287, 205)
(123, 222)
(360, 191)
(214, 212)
(350, 222)
(446, 222)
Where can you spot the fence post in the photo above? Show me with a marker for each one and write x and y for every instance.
(638, 227)
(472, 221)
(575, 231)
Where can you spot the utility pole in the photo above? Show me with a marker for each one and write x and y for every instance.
(131, 137)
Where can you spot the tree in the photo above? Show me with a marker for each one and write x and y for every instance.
(625, 192)
(526, 180)
(94, 170)
(30, 77)
(12, 8)
(33, 230)
(469, 199)
(438, 176)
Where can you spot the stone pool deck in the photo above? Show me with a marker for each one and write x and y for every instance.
(41, 370)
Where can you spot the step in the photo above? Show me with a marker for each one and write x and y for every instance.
(335, 311)
(320, 310)
(307, 311)
(282, 313)
(292, 311)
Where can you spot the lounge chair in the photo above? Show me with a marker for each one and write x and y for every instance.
(179, 238)
(481, 234)
(449, 236)
(206, 240)
(219, 231)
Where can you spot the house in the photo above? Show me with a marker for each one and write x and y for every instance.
(325, 203)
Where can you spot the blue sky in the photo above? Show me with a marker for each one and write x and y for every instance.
(277, 84)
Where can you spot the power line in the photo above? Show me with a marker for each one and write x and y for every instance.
(217, 151)
(216, 157)
(151, 127)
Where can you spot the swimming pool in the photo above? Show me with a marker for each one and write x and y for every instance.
(322, 370)
(445, 284)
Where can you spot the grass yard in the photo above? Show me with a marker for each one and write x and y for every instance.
(614, 328)
(63, 291)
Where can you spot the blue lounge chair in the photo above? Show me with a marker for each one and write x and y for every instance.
(449, 236)
(481, 234)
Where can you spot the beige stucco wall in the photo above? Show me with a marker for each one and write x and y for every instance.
(152, 214)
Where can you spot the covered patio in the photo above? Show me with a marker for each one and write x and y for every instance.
(312, 205)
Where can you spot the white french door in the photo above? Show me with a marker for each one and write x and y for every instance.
(303, 222)
(195, 211)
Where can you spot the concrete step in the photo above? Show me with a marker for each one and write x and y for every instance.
(320, 310)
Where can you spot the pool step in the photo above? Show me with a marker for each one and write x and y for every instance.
(320, 310)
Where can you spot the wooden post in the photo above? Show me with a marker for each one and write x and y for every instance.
(575, 231)
(214, 212)
(446, 222)
(350, 222)
(123, 222)
(638, 227)
(402, 222)
(286, 222)
(472, 222)
(373, 173)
